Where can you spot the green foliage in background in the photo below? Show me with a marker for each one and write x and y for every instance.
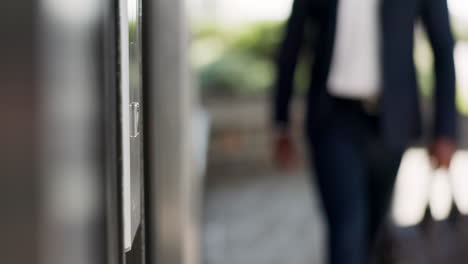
(239, 61)
(233, 62)
(260, 41)
(235, 74)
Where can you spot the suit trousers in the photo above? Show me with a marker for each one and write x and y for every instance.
(355, 172)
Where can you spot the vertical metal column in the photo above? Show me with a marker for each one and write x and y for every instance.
(59, 147)
(168, 156)
(80, 216)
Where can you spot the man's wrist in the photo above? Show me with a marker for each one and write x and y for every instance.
(444, 139)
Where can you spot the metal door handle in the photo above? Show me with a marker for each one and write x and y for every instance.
(134, 119)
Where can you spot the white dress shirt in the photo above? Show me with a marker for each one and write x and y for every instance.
(355, 67)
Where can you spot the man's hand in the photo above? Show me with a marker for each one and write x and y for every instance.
(285, 153)
(442, 151)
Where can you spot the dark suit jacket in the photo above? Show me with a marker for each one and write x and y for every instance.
(399, 101)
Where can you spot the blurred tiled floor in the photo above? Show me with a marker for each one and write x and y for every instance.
(256, 216)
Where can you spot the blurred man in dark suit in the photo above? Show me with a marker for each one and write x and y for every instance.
(362, 106)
